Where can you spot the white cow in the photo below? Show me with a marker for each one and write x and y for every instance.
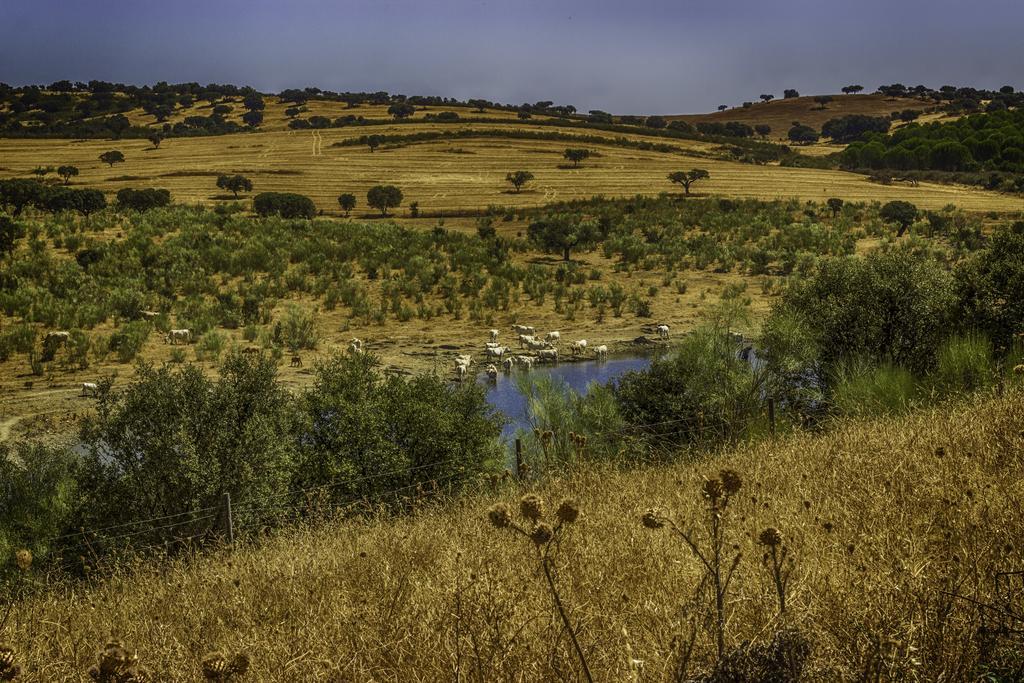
(491, 345)
(495, 351)
(461, 371)
(463, 359)
(355, 347)
(537, 345)
(524, 329)
(494, 335)
(525, 362)
(175, 336)
(149, 315)
(525, 339)
(90, 389)
(357, 343)
(601, 351)
(578, 347)
(506, 364)
(54, 339)
(553, 337)
(548, 354)
(662, 331)
(492, 372)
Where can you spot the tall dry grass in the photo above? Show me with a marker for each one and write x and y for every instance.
(884, 521)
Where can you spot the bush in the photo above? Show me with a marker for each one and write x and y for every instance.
(210, 346)
(283, 204)
(142, 200)
(129, 339)
(860, 388)
(990, 287)
(963, 364)
(298, 329)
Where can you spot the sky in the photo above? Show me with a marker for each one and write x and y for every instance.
(621, 56)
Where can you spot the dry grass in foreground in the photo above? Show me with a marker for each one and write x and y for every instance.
(884, 520)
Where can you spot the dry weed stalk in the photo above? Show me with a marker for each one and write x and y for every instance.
(115, 665)
(775, 558)
(9, 670)
(719, 570)
(546, 541)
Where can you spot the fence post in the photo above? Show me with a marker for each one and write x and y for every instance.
(771, 415)
(228, 519)
(519, 458)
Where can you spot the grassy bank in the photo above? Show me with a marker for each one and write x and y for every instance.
(886, 523)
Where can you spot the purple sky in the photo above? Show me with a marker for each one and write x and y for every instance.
(624, 56)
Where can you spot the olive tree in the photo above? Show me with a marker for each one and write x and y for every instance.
(576, 155)
(903, 213)
(687, 178)
(384, 197)
(562, 233)
(519, 178)
(234, 184)
(112, 157)
(67, 173)
(347, 202)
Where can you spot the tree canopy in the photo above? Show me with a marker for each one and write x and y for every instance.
(519, 178)
(563, 232)
(234, 184)
(112, 157)
(687, 178)
(576, 155)
(384, 197)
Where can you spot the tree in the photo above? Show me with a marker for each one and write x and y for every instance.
(852, 89)
(767, 97)
(283, 204)
(763, 129)
(234, 183)
(723, 107)
(903, 213)
(144, 199)
(823, 100)
(112, 157)
(576, 155)
(836, 205)
(67, 173)
(853, 127)
(686, 178)
(89, 201)
(655, 122)
(252, 118)
(42, 171)
(802, 134)
(254, 102)
(347, 202)
(991, 286)
(292, 112)
(479, 105)
(10, 233)
(373, 142)
(155, 139)
(17, 193)
(563, 232)
(789, 94)
(401, 110)
(384, 197)
(519, 178)
(523, 115)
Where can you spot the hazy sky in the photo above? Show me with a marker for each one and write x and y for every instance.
(624, 56)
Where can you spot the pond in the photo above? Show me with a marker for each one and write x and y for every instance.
(505, 397)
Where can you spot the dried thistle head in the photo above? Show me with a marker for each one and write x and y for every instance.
(731, 481)
(713, 490)
(215, 666)
(531, 507)
(23, 558)
(542, 533)
(239, 664)
(651, 520)
(115, 665)
(568, 512)
(499, 515)
(1018, 369)
(8, 669)
(770, 537)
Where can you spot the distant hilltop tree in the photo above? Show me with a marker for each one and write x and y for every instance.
(373, 142)
(852, 89)
(144, 199)
(252, 118)
(42, 171)
(655, 122)
(823, 101)
(576, 155)
(519, 178)
(234, 184)
(401, 110)
(802, 134)
(67, 173)
(155, 139)
(899, 212)
(790, 93)
(523, 115)
(283, 204)
(687, 178)
(763, 129)
(254, 102)
(766, 97)
(479, 105)
(112, 157)
(384, 197)
(723, 107)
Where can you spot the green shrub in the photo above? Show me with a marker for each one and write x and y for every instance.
(964, 364)
(860, 389)
(210, 346)
(298, 329)
(129, 339)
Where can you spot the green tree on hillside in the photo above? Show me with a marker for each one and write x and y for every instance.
(576, 155)
(519, 178)
(373, 142)
(903, 213)
(254, 102)
(347, 202)
(802, 134)
(766, 97)
(852, 89)
(67, 173)
(687, 178)
(17, 193)
(823, 101)
(835, 204)
(234, 184)
(112, 157)
(790, 93)
(384, 197)
(155, 139)
(562, 233)
(252, 118)
(10, 232)
(763, 130)
(42, 171)
(991, 287)
(401, 110)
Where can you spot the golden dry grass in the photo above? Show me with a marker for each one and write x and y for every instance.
(881, 518)
(455, 175)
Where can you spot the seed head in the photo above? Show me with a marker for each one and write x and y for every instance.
(542, 533)
(651, 521)
(731, 481)
(215, 666)
(1018, 369)
(23, 558)
(8, 669)
(713, 490)
(770, 537)
(568, 512)
(531, 507)
(499, 515)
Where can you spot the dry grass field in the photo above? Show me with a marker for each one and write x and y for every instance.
(457, 175)
(890, 527)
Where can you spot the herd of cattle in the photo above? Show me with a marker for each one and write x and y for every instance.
(544, 349)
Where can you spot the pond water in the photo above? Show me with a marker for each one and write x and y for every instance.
(504, 396)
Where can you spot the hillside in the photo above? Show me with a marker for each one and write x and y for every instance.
(781, 113)
(887, 525)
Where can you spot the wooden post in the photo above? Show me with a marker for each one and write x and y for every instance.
(230, 523)
(519, 458)
(771, 415)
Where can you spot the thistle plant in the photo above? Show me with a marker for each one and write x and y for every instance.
(717, 566)
(218, 666)
(775, 559)
(9, 670)
(115, 665)
(546, 541)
